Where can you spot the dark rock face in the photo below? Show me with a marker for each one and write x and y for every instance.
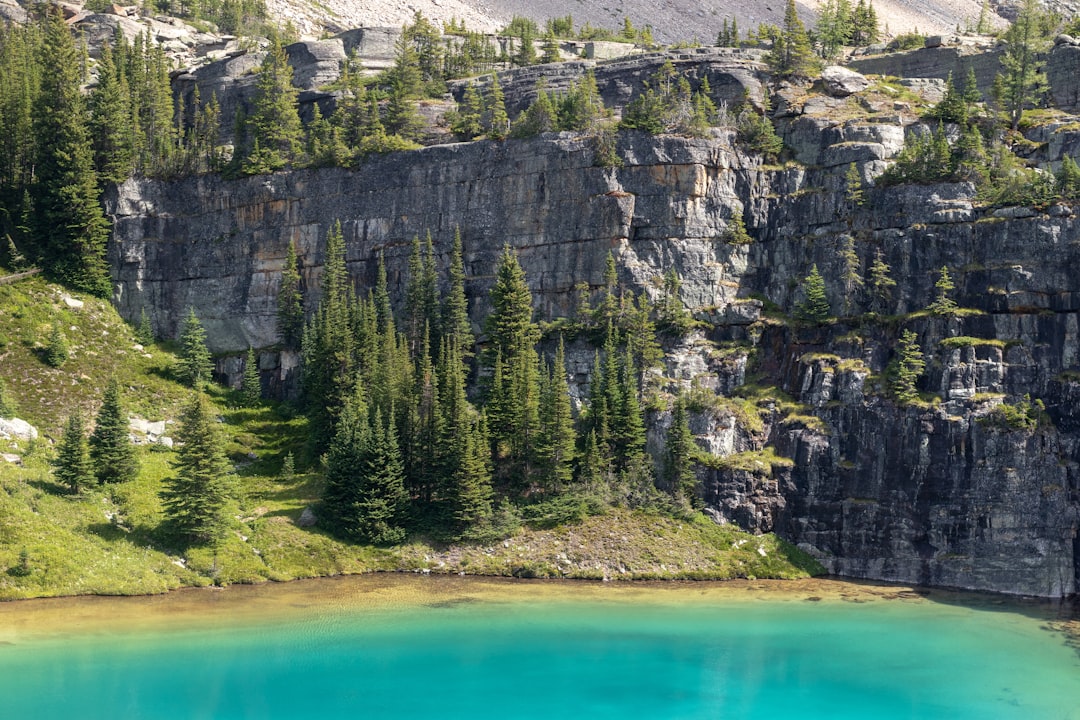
(941, 494)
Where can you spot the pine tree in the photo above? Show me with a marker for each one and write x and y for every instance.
(680, 454)
(792, 55)
(551, 52)
(1023, 79)
(380, 495)
(72, 465)
(343, 458)
(881, 284)
(1067, 179)
(274, 123)
(641, 341)
(456, 324)
(556, 443)
(539, 117)
(196, 497)
(56, 351)
(69, 222)
(110, 123)
(907, 368)
(496, 121)
(145, 330)
(467, 122)
(251, 387)
(290, 302)
(110, 445)
(943, 304)
(628, 421)
(815, 304)
(195, 365)
(853, 187)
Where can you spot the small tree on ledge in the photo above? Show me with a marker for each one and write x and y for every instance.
(943, 304)
(815, 304)
(906, 369)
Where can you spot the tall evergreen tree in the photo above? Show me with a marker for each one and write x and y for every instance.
(906, 368)
(111, 122)
(380, 499)
(792, 55)
(455, 322)
(680, 454)
(556, 443)
(110, 445)
(69, 222)
(274, 124)
(814, 306)
(341, 493)
(251, 387)
(72, 465)
(195, 365)
(290, 302)
(881, 283)
(1023, 78)
(496, 121)
(196, 497)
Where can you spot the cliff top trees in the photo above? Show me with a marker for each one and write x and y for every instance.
(69, 224)
(274, 124)
(1023, 80)
(792, 55)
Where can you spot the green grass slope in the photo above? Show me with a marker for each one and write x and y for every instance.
(110, 539)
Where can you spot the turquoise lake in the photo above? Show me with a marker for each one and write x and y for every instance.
(417, 647)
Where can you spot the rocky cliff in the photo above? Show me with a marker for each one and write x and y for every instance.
(952, 490)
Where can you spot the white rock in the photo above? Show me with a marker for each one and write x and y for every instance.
(166, 441)
(841, 82)
(307, 518)
(11, 458)
(73, 303)
(18, 429)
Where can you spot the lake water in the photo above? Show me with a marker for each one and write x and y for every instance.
(427, 647)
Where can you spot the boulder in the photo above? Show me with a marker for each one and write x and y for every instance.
(11, 458)
(841, 82)
(307, 518)
(17, 429)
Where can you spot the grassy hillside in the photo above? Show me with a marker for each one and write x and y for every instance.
(109, 539)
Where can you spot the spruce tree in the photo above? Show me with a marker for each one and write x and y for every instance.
(111, 122)
(814, 306)
(906, 369)
(680, 454)
(196, 496)
(274, 123)
(466, 123)
(110, 445)
(496, 121)
(195, 364)
(290, 302)
(251, 386)
(380, 496)
(69, 222)
(792, 55)
(1023, 78)
(56, 351)
(455, 322)
(556, 442)
(881, 283)
(145, 330)
(72, 465)
(341, 493)
(943, 304)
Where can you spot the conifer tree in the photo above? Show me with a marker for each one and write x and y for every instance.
(466, 123)
(421, 294)
(251, 386)
(1067, 179)
(540, 117)
(641, 341)
(907, 367)
(815, 304)
(56, 351)
(792, 55)
(145, 330)
(196, 497)
(343, 458)
(556, 444)
(1023, 78)
(290, 302)
(456, 324)
(496, 122)
(628, 422)
(69, 223)
(195, 365)
(380, 498)
(881, 283)
(472, 481)
(274, 123)
(680, 454)
(550, 49)
(943, 304)
(72, 465)
(110, 445)
(110, 121)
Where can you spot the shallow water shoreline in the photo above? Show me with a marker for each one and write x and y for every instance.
(206, 608)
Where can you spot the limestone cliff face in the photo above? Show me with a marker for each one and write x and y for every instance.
(942, 494)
